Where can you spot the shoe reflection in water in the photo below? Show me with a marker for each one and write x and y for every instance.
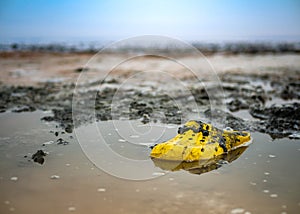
(201, 166)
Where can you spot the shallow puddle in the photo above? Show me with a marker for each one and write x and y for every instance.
(263, 179)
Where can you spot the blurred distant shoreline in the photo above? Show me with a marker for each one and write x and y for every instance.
(238, 47)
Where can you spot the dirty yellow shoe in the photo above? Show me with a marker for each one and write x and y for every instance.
(199, 141)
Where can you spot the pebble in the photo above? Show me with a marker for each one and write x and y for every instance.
(266, 191)
(267, 173)
(178, 196)
(55, 177)
(273, 195)
(14, 178)
(12, 209)
(122, 140)
(265, 181)
(72, 209)
(48, 142)
(253, 183)
(6, 202)
(237, 211)
(101, 190)
(158, 173)
(272, 156)
(134, 136)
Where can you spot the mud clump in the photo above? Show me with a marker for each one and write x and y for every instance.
(61, 141)
(38, 157)
(81, 69)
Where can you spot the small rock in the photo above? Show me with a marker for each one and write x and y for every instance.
(72, 209)
(48, 143)
(273, 195)
(14, 178)
(158, 173)
(134, 136)
(81, 69)
(237, 211)
(55, 177)
(101, 190)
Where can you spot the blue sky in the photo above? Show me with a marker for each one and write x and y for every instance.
(184, 19)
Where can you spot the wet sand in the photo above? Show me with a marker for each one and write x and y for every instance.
(264, 179)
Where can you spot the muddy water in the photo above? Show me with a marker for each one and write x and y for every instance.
(264, 179)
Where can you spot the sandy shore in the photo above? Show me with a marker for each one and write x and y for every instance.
(31, 68)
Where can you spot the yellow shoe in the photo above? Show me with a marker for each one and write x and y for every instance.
(199, 141)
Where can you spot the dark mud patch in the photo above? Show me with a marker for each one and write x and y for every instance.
(248, 92)
(279, 121)
(38, 157)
